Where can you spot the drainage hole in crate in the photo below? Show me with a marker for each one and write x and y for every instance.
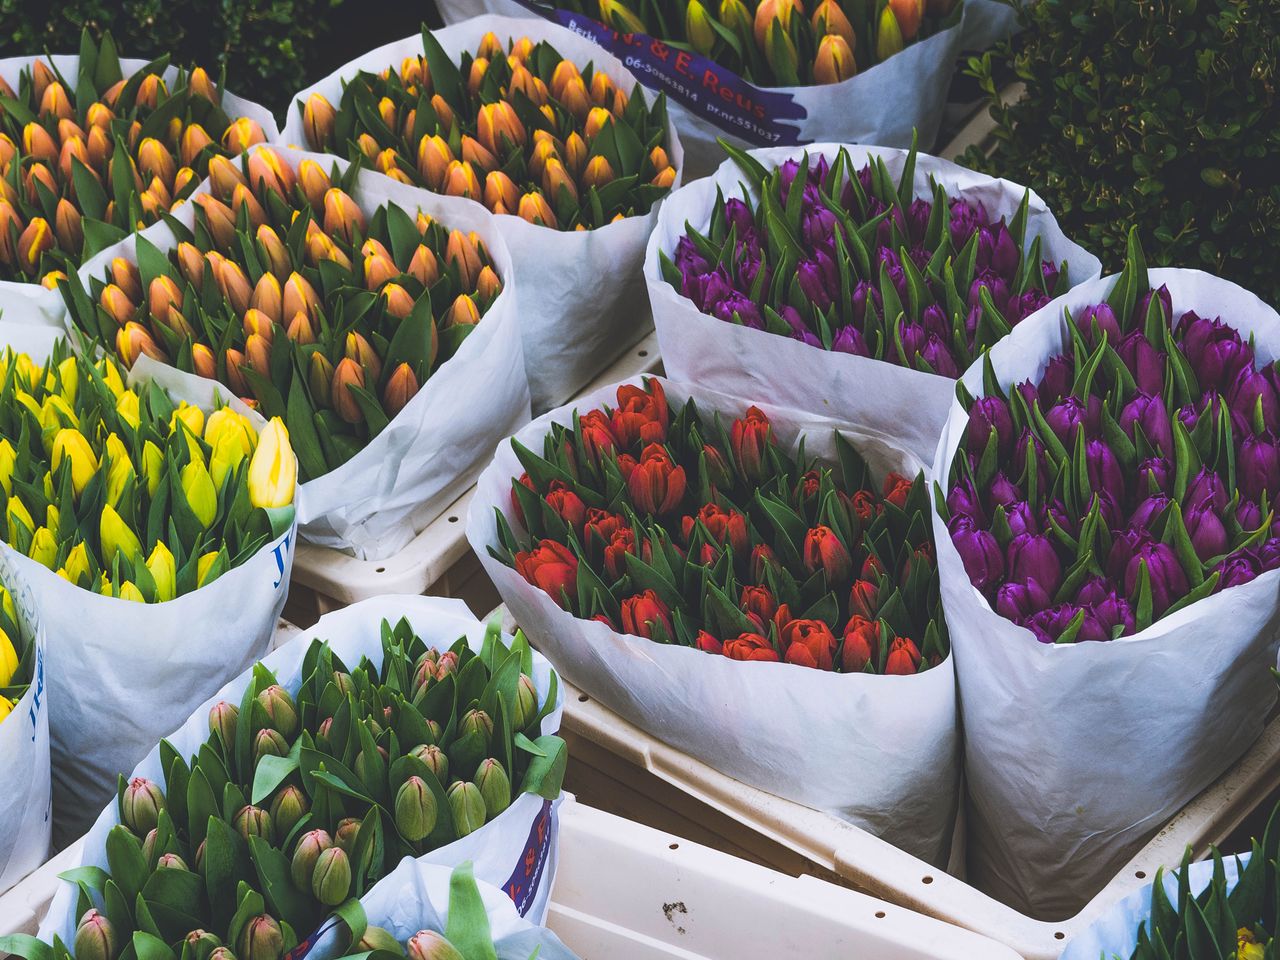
(928, 880)
(644, 353)
(1141, 874)
(879, 914)
(583, 698)
(1059, 935)
(453, 519)
(380, 570)
(674, 846)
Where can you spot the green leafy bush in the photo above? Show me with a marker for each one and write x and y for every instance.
(269, 48)
(1162, 114)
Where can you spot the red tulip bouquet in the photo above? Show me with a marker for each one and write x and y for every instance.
(801, 272)
(652, 537)
(385, 339)
(533, 123)
(1108, 563)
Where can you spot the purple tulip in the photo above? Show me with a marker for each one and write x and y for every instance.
(1031, 556)
(863, 293)
(997, 251)
(1249, 389)
(1049, 272)
(1258, 466)
(707, 289)
(849, 340)
(1144, 361)
(1094, 590)
(1241, 567)
(1059, 371)
(1168, 582)
(979, 551)
(1057, 511)
(1003, 491)
(918, 215)
(1021, 518)
(1214, 349)
(739, 303)
(913, 337)
(1020, 457)
(1104, 470)
(884, 232)
(1017, 601)
(962, 501)
(1148, 511)
(938, 355)
(1144, 303)
(1154, 474)
(1023, 306)
(1269, 554)
(971, 323)
(1248, 515)
(997, 286)
(1149, 413)
(987, 414)
(688, 259)
(965, 218)
(813, 285)
(1063, 419)
(818, 226)
(1112, 611)
(1101, 317)
(1207, 532)
(1206, 483)
(1049, 625)
(1109, 509)
(739, 215)
(934, 319)
(1124, 546)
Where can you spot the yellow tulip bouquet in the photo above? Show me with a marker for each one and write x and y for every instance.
(122, 491)
(17, 656)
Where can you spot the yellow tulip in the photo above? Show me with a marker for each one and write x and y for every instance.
(8, 457)
(17, 513)
(202, 498)
(44, 548)
(6, 707)
(8, 659)
(118, 476)
(127, 409)
(69, 373)
(28, 401)
(26, 371)
(71, 444)
(193, 417)
(226, 422)
(128, 591)
(110, 372)
(56, 412)
(163, 570)
(205, 572)
(152, 466)
(76, 567)
(273, 471)
(116, 536)
(227, 454)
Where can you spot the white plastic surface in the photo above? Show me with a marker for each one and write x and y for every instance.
(430, 555)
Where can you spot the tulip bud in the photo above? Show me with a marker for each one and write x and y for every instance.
(273, 474)
(260, 939)
(495, 787)
(320, 374)
(318, 121)
(171, 861)
(376, 938)
(242, 198)
(834, 62)
(41, 77)
(462, 313)
(268, 170)
(67, 228)
(33, 243)
(348, 830)
(468, 807)
(281, 712)
(163, 569)
(526, 705)
(401, 387)
(70, 444)
(116, 537)
(500, 192)
(203, 362)
(289, 806)
(199, 492)
(431, 945)
(242, 134)
(54, 102)
(224, 176)
(908, 13)
(829, 19)
(435, 759)
(598, 173)
(476, 721)
(38, 143)
(140, 805)
(218, 218)
(155, 160)
(299, 297)
(95, 937)
(434, 160)
(415, 810)
(460, 181)
(378, 270)
(251, 821)
(889, 35)
(222, 721)
(306, 854)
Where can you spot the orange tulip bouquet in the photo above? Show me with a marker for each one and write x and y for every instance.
(675, 549)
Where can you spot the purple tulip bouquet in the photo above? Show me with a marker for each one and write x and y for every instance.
(799, 273)
(1106, 547)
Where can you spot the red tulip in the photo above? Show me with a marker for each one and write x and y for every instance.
(725, 526)
(642, 415)
(551, 567)
(872, 568)
(861, 644)
(568, 506)
(759, 604)
(647, 616)
(750, 437)
(861, 505)
(656, 484)
(904, 657)
(921, 554)
(809, 643)
(862, 599)
(597, 435)
(824, 551)
(750, 646)
(707, 643)
(809, 485)
(620, 544)
(626, 463)
(515, 501)
(896, 489)
(601, 523)
(762, 558)
(717, 468)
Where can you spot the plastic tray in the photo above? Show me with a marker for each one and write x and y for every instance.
(438, 560)
(629, 892)
(618, 767)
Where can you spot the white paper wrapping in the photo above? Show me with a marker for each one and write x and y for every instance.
(1075, 754)
(877, 751)
(415, 897)
(380, 499)
(987, 22)
(1115, 933)
(45, 306)
(122, 674)
(906, 406)
(26, 802)
(581, 295)
(498, 849)
(883, 105)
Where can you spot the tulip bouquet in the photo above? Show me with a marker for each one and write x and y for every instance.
(17, 656)
(306, 307)
(517, 127)
(923, 268)
(296, 802)
(652, 527)
(88, 154)
(534, 123)
(1107, 560)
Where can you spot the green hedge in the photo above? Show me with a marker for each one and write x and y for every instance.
(269, 48)
(1159, 113)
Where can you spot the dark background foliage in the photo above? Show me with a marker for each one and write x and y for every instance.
(1163, 113)
(270, 48)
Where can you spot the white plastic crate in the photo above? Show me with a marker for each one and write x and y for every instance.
(629, 892)
(436, 561)
(619, 767)
(980, 128)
